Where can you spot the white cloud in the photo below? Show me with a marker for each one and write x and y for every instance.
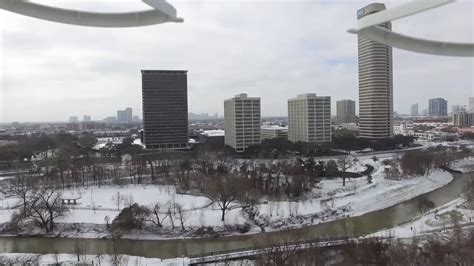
(271, 49)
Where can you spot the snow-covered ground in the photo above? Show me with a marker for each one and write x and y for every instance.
(434, 221)
(330, 200)
(71, 259)
(464, 165)
(333, 201)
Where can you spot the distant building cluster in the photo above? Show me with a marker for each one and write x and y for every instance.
(86, 126)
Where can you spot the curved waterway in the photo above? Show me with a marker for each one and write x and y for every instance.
(353, 226)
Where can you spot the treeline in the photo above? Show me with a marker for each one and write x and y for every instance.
(422, 162)
(468, 135)
(46, 146)
(453, 249)
(277, 148)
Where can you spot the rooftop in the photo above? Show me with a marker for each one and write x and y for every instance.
(160, 72)
(274, 127)
(213, 133)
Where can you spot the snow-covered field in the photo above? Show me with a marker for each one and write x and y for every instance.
(330, 200)
(71, 259)
(434, 221)
(464, 165)
(333, 201)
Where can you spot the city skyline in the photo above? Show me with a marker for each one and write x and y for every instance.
(323, 59)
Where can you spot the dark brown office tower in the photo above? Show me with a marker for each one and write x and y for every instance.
(165, 109)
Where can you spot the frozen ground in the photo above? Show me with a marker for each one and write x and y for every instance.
(464, 165)
(434, 221)
(330, 200)
(71, 259)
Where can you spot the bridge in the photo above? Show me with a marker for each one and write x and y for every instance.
(252, 252)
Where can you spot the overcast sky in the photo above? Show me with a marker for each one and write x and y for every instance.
(271, 49)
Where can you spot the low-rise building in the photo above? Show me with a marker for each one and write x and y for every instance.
(434, 135)
(274, 131)
(213, 137)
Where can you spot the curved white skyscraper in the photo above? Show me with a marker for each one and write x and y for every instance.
(375, 83)
(367, 27)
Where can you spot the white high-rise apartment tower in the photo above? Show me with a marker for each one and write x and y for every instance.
(242, 121)
(375, 83)
(309, 118)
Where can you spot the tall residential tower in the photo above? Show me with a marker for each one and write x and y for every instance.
(165, 109)
(345, 112)
(375, 83)
(242, 121)
(309, 118)
(414, 110)
(438, 107)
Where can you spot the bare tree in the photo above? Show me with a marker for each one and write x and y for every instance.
(183, 171)
(469, 192)
(45, 206)
(279, 251)
(170, 211)
(22, 187)
(344, 162)
(118, 199)
(182, 215)
(227, 190)
(156, 215)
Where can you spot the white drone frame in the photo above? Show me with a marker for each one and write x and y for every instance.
(367, 27)
(162, 12)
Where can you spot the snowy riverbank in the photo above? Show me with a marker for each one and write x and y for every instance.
(328, 201)
(435, 221)
(73, 259)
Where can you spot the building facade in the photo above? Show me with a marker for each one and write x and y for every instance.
(463, 119)
(458, 108)
(375, 83)
(309, 118)
(73, 119)
(212, 137)
(414, 110)
(165, 109)
(345, 112)
(125, 116)
(470, 108)
(274, 132)
(438, 107)
(242, 121)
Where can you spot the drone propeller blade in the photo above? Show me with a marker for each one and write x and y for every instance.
(398, 12)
